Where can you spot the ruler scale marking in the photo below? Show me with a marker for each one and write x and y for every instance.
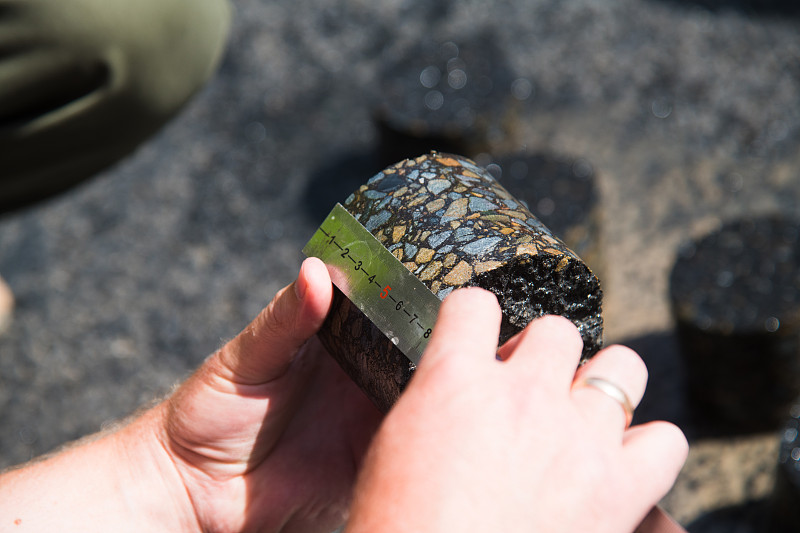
(390, 295)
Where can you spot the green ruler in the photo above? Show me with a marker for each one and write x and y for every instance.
(398, 303)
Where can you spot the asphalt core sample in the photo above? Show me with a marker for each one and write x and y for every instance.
(735, 297)
(451, 224)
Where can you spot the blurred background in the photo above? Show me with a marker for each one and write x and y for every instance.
(684, 115)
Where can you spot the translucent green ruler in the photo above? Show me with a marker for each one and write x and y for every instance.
(398, 303)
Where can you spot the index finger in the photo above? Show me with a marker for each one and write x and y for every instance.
(468, 327)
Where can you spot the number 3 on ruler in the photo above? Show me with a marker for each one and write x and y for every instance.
(385, 292)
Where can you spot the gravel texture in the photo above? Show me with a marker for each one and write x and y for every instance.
(689, 114)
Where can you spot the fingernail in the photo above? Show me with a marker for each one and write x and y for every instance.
(300, 287)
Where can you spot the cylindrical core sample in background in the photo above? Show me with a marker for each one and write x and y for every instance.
(452, 225)
(451, 96)
(784, 503)
(561, 192)
(735, 297)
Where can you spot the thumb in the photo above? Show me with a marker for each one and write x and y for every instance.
(264, 350)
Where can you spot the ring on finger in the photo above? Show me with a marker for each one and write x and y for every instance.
(613, 391)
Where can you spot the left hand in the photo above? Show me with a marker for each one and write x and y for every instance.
(269, 433)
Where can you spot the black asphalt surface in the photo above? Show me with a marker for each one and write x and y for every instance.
(689, 114)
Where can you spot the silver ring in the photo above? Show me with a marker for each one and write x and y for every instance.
(613, 391)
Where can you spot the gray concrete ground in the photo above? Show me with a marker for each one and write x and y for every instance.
(688, 114)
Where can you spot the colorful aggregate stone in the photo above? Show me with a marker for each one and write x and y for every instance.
(561, 191)
(453, 225)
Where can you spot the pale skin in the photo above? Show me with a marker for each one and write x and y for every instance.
(270, 435)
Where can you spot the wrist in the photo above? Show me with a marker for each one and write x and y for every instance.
(121, 481)
(150, 483)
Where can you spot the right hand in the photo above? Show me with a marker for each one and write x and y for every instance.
(477, 444)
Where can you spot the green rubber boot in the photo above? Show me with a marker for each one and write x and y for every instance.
(84, 82)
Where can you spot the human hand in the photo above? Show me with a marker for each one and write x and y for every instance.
(269, 433)
(477, 444)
